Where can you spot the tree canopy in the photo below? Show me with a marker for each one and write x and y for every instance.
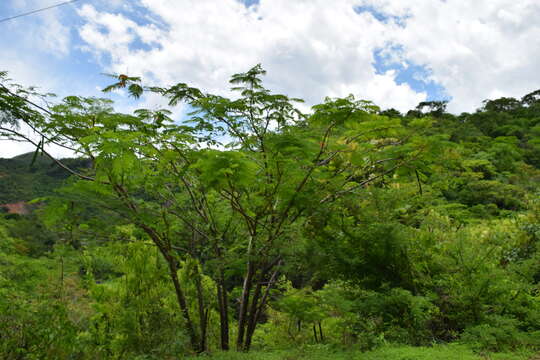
(253, 222)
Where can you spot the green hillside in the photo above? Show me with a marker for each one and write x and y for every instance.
(22, 179)
(256, 231)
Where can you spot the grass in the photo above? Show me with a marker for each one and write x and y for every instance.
(438, 352)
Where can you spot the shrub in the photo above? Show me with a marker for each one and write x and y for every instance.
(498, 334)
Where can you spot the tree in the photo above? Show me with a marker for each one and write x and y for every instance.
(503, 104)
(531, 98)
(228, 191)
(433, 108)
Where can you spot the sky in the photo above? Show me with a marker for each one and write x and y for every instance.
(395, 53)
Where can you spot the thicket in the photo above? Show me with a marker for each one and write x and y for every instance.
(255, 225)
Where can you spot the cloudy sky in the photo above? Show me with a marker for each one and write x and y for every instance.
(393, 52)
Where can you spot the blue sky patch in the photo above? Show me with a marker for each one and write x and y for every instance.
(249, 3)
(138, 44)
(381, 16)
(142, 16)
(418, 77)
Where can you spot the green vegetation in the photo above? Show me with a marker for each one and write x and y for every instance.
(447, 352)
(22, 180)
(254, 230)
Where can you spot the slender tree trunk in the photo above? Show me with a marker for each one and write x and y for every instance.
(202, 311)
(315, 333)
(320, 332)
(269, 286)
(244, 305)
(222, 301)
(200, 294)
(173, 270)
(257, 306)
(252, 319)
(223, 312)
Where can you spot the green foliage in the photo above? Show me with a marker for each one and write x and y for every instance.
(20, 180)
(498, 334)
(504, 196)
(443, 352)
(346, 226)
(36, 321)
(134, 312)
(225, 169)
(37, 331)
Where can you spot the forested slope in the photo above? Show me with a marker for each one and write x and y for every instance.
(24, 178)
(255, 226)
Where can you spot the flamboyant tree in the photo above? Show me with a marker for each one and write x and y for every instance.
(226, 192)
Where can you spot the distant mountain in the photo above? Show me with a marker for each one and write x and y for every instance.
(21, 180)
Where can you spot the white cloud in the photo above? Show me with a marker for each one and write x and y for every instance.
(42, 31)
(9, 149)
(37, 51)
(474, 49)
(33, 42)
(310, 50)
(29, 45)
(315, 48)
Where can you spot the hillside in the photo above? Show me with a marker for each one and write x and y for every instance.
(21, 180)
(348, 232)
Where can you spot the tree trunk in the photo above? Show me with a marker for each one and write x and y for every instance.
(223, 312)
(253, 312)
(202, 311)
(257, 306)
(244, 305)
(182, 302)
(171, 261)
